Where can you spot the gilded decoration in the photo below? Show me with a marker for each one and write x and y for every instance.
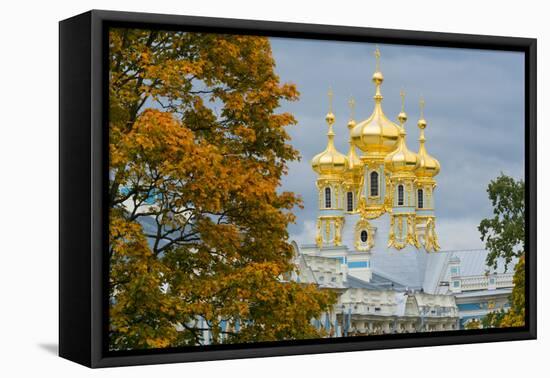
(369, 211)
(403, 231)
(412, 237)
(364, 225)
(391, 235)
(389, 195)
(396, 240)
(431, 243)
(329, 231)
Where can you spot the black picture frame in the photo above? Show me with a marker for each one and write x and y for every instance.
(83, 181)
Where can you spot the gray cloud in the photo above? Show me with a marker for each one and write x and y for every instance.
(474, 108)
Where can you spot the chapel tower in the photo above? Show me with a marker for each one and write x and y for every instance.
(331, 167)
(401, 165)
(428, 168)
(381, 196)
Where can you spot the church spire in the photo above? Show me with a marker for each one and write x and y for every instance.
(330, 118)
(351, 104)
(353, 159)
(402, 116)
(428, 168)
(428, 165)
(402, 159)
(331, 166)
(422, 124)
(377, 77)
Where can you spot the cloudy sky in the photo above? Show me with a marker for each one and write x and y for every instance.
(474, 109)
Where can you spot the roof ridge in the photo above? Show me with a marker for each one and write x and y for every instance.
(462, 250)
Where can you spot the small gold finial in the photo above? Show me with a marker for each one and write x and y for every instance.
(330, 95)
(422, 122)
(402, 117)
(377, 76)
(330, 116)
(377, 56)
(351, 104)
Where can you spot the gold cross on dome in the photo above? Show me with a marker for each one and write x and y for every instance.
(351, 104)
(422, 104)
(330, 95)
(402, 94)
(377, 56)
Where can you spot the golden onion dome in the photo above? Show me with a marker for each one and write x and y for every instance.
(428, 166)
(330, 161)
(402, 159)
(376, 134)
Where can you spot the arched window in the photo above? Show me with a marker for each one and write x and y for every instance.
(364, 236)
(328, 199)
(350, 201)
(374, 184)
(400, 195)
(420, 199)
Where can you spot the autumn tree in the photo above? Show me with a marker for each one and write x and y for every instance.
(473, 324)
(493, 319)
(504, 236)
(515, 316)
(198, 227)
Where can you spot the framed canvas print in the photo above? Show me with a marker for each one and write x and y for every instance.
(233, 188)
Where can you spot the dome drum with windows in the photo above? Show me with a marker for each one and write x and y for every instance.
(385, 177)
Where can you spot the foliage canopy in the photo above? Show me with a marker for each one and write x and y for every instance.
(504, 234)
(198, 229)
(504, 237)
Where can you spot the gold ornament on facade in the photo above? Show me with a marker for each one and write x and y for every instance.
(412, 237)
(369, 211)
(338, 223)
(319, 237)
(396, 241)
(400, 227)
(331, 227)
(406, 232)
(410, 234)
(388, 199)
(431, 243)
(391, 236)
(364, 225)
